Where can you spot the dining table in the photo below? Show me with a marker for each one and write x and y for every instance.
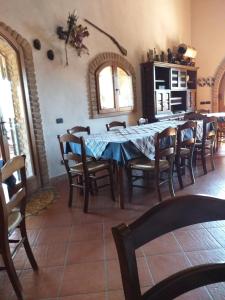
(219, 115)
(123, 145)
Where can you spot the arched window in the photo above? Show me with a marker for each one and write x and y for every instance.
(112, 86)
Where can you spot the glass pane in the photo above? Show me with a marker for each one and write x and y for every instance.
(106, 88)
(125, 91)
(12, 110)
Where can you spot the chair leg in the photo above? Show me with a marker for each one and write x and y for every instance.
(171, 188)
(179, 175)
(190, 166)
(130, 186)
(212, 157)
(203, 161)
(7, 259)
(27, 245)
(111, 183)
(86, 195)
(157, 179)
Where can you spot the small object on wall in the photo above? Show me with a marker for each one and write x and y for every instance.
(50, 54)
(59, 120)
(206, 81)
(162, 56)
(37, 44)
(150, 55)
(170, 55)
(73, 35)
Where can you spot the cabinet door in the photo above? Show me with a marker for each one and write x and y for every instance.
(162, 101)
(178, 79)
(191, 99)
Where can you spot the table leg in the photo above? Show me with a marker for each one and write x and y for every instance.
(120, 185)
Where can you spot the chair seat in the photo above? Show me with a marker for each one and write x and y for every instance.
(14, 220)
(148, 165)
(93, 166)
(185, 152)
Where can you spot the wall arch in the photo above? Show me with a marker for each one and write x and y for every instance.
(218, 91)
(24, 50)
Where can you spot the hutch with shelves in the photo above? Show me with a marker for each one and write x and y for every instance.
(168, 90)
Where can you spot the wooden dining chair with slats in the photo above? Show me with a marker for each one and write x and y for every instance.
(206, 146)
(12, 216)
(78, 129)
(78, 166)
(113, 125)
(186, 138)
(165, 149)
(166, 217)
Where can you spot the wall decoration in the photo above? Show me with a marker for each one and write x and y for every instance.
(122, 49)
(206, 81)
(37, 44)
(50, 54)
(73, 35)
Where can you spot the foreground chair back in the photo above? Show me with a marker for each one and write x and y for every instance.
(12, 216)
(82, 172)
(186, 138)
(161, 219)
(115, 124)
(77, 129)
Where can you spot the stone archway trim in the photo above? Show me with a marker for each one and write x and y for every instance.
(32, 100)
(216, 88)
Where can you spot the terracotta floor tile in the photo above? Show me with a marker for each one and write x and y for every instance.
(162, 266)
(100, 296)
(83, 278)
(218, 234)
(87, 251)
(35, 222)
(114, 275)
(49, 255)
(164, 244)
(198, 294)
(217, 290)
(42, 284)
(206, 256)
(199, 239)
(213, 224)
(54, 235)
(87, 232)
(116, 295)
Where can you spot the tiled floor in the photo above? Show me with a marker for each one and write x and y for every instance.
(77, 256)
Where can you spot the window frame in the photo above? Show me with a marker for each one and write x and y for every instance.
(95, 67)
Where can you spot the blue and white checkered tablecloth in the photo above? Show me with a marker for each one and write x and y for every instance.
(143, 137)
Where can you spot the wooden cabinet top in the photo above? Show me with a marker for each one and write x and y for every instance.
(169, 65)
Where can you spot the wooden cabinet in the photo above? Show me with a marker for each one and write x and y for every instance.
(168, 90)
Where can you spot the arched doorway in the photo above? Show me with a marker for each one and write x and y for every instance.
(20, 119)
(218, 91)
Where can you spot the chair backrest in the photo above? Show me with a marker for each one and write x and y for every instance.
(169, 215)
(165, 145)
(142, 121)
(77, 129)
(186, 136)
(194, 116)
(115, 124)
(72, 149)
(209, 129)
(17, 196)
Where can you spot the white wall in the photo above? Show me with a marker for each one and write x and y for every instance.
(137, 25)
(208, 29)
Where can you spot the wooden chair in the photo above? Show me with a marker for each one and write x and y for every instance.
(185, 149)
(165, 149)
(82, 168)
(220, 133)
(142, 121)
(115, 124)
(12, 216)
(194, 116)
(206, 147)
(161, 219)
(77, 129)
